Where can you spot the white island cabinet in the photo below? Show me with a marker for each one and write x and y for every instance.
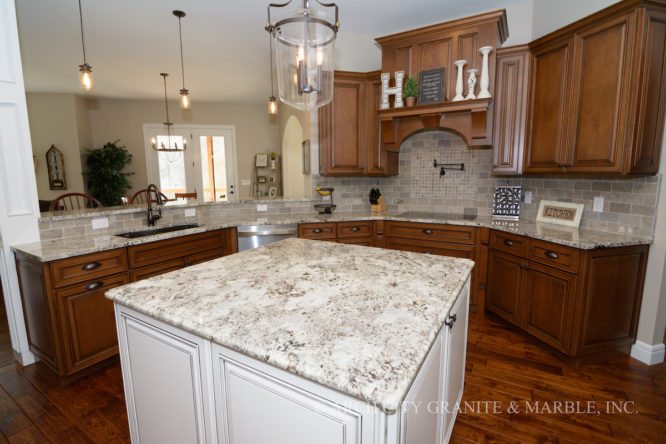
(312, 355)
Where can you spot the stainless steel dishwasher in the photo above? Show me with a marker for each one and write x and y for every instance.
(253, 236)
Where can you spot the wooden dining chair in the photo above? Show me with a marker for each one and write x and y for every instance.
(186, 195)
(141, 197)
(74, 201)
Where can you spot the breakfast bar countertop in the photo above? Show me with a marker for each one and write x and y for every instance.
(308, 307)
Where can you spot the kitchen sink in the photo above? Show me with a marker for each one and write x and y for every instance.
(152, 231)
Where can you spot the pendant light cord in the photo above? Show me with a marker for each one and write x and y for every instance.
(270, 46)
(166, 107)
(182, 63)
(83, 43)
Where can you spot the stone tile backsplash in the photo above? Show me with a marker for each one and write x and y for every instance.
(629, 203)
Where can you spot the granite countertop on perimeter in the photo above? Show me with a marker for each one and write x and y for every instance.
(308, 307)
(585, 239)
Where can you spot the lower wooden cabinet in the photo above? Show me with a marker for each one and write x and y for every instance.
(584, 303)
(70, 323)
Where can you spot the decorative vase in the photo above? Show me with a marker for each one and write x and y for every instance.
(485, 81)
(459, 80)
(471, 83)
(273, 163)
(410, 101)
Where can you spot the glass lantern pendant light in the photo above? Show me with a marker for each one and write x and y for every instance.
(85, 70)
(272, 101)
(304, 47)
(171, 144)
(184, 93)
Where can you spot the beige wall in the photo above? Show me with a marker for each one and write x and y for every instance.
(301, 185)
(54, 120)
(112, 119)
(550, 15)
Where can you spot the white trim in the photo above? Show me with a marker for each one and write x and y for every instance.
(648, 354)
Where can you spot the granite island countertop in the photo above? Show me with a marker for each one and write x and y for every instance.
(49, 250)
(310, 308)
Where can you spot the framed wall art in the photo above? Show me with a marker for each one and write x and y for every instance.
(560, 213)
(55, 163)
(261, 160)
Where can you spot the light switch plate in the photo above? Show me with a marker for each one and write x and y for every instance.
(102, 222)
(528, 197)
(190, 212)
(262, 207)
(245, 182)
(598, 204)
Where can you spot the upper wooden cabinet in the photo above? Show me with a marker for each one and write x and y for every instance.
(597, 93)
(510, 113)
(349, 129)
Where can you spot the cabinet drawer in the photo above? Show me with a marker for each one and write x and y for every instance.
(557, 256)
(355, 229)
(156, 269)
(90, 266)
(441, 249)
(179, 247)
(441, 233)
(510, 243)
(365, 241)
(318, 231)
(204, 256)
(89, 326)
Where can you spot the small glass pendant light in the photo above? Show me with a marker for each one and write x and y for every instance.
(184, 92)
(85, 70)
(272, 101)
(305, 43)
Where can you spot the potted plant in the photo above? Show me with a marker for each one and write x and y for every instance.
(411, 91)
(104, 169)
(273, 160)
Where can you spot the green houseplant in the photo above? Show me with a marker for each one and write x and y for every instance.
(411, 91)
(104, 169)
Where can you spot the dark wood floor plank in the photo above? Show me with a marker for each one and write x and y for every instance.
(31, 435)
(12, 418)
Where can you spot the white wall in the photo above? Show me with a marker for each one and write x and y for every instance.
(550, 15)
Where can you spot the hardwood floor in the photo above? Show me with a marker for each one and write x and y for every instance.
(503, 365)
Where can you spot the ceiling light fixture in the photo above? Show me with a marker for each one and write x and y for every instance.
(272, 101)
(171, 144)
(85, 70)
(184, 93)
(305, 43)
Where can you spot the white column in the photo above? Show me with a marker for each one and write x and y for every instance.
(19, 207)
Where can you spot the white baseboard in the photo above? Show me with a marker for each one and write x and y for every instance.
(648, 354)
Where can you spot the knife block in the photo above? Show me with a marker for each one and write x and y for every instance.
(379, 206)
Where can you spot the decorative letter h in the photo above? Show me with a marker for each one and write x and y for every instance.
(395, 91)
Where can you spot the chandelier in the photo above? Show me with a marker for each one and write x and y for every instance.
(171, 144)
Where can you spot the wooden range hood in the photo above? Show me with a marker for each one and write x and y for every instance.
(439, 46)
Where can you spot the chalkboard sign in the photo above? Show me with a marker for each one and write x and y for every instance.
(431, 86)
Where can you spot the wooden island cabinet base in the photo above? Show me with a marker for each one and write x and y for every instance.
(70, 323)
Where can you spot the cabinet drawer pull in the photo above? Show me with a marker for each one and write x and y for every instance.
(317, 230)
(91, 266)
(94, 285)
(450, 320)
(552, 254)
(355, 229)
(509, 243)
(427, 252)
(427, 231)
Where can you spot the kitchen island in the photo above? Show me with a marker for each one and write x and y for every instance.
(296, 342)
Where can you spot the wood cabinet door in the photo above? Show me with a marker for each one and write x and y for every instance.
(505, 276)
(88, 324)
(547, 303)
(510, 109)
(549, 103)
(598, 116)
(341, 128)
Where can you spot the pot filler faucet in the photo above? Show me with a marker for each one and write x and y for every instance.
(158, 198)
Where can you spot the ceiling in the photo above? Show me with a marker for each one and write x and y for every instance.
(129, 42)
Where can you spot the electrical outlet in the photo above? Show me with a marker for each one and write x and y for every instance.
(262, 208)
(190, 212)
(245, 182)
(327, 197)
(598, 204)
(102, 222)
(528, 197)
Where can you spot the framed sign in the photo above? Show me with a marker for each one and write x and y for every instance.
(561, 213)
(431, 86)
(261, 160)
(55, 163)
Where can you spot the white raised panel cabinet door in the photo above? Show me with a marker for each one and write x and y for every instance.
(454, 349)
(165, 372)
(254, 407)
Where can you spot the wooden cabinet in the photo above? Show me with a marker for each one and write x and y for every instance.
(596, 102)
(70, 323)
(510, 109)
(584, 303)
(321, 231)
(349, 143)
